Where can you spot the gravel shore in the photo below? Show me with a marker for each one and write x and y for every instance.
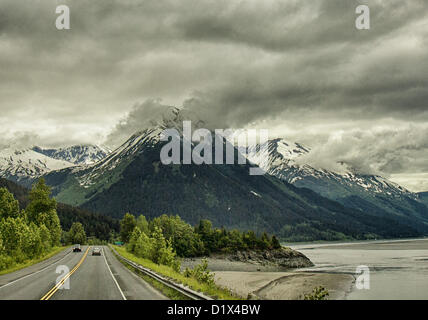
(272, 282)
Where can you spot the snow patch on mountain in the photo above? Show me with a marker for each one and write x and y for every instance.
(283, 159)
(132, 147)
(19, 165)
(78, 154)
(26, 165)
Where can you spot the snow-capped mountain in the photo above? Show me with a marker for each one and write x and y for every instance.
(133, 179)
(359, 191)
(78, 154)
(126, 152)
(279, 158)
(25, 165)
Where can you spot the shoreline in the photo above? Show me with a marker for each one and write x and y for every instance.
(279, 283)
(269, 282)
(310, 244)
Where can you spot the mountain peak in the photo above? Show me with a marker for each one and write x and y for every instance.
(24, 165)
(77, 154)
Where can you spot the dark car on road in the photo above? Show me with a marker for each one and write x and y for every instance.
(76, 248)
(96, 252)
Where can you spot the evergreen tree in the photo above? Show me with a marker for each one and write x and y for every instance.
(275, 243)
(204, 229)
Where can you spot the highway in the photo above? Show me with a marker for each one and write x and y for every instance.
(82, 277)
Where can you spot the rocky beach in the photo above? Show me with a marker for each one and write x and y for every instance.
(276, 274)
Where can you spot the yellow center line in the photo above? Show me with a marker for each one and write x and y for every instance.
(52, 291)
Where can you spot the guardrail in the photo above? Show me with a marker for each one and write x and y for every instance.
(192, 294)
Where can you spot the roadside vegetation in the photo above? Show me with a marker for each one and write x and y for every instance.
(76, 234)
(187, 241)
(27, 236)
(159, 243)
(28, 263)
(191, 280)
(96, 226)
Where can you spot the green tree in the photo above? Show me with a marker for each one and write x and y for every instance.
(144, 246)
(264, 242)
(32, 243)
(204, 229)
(250, 239)
(235, 241)
(133, 239)
(275, 243)
(127, 226)
(141, 244)
(143, 224)
(42, 210)
(77, 233)
(159, 243)
(184, 240)
(45, 237)
(19, 240)
(9, 207)
(162, 251)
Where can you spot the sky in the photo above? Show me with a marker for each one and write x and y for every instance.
(299, 68)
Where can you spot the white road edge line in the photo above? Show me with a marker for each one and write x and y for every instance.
(114, 279)
(144, 283)
(32, 274)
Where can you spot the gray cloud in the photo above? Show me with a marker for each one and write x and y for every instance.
(298, 67)
(380, 150)
(141, 116)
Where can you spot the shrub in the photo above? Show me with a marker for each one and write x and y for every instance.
(201, 273)
(318, 293)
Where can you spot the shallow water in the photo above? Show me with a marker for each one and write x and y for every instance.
(398, 268)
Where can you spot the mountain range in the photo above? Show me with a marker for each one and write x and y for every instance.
(294, 200)
(26, 165)
(133, 179)
(365, 192)
(78, 154)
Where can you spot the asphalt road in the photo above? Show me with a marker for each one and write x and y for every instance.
(86, 277)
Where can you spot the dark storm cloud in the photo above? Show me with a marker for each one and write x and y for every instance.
(300, 67)
(285, 25)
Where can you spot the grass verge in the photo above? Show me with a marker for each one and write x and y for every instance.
(29, 263)
(167, 291)
(212, 291)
